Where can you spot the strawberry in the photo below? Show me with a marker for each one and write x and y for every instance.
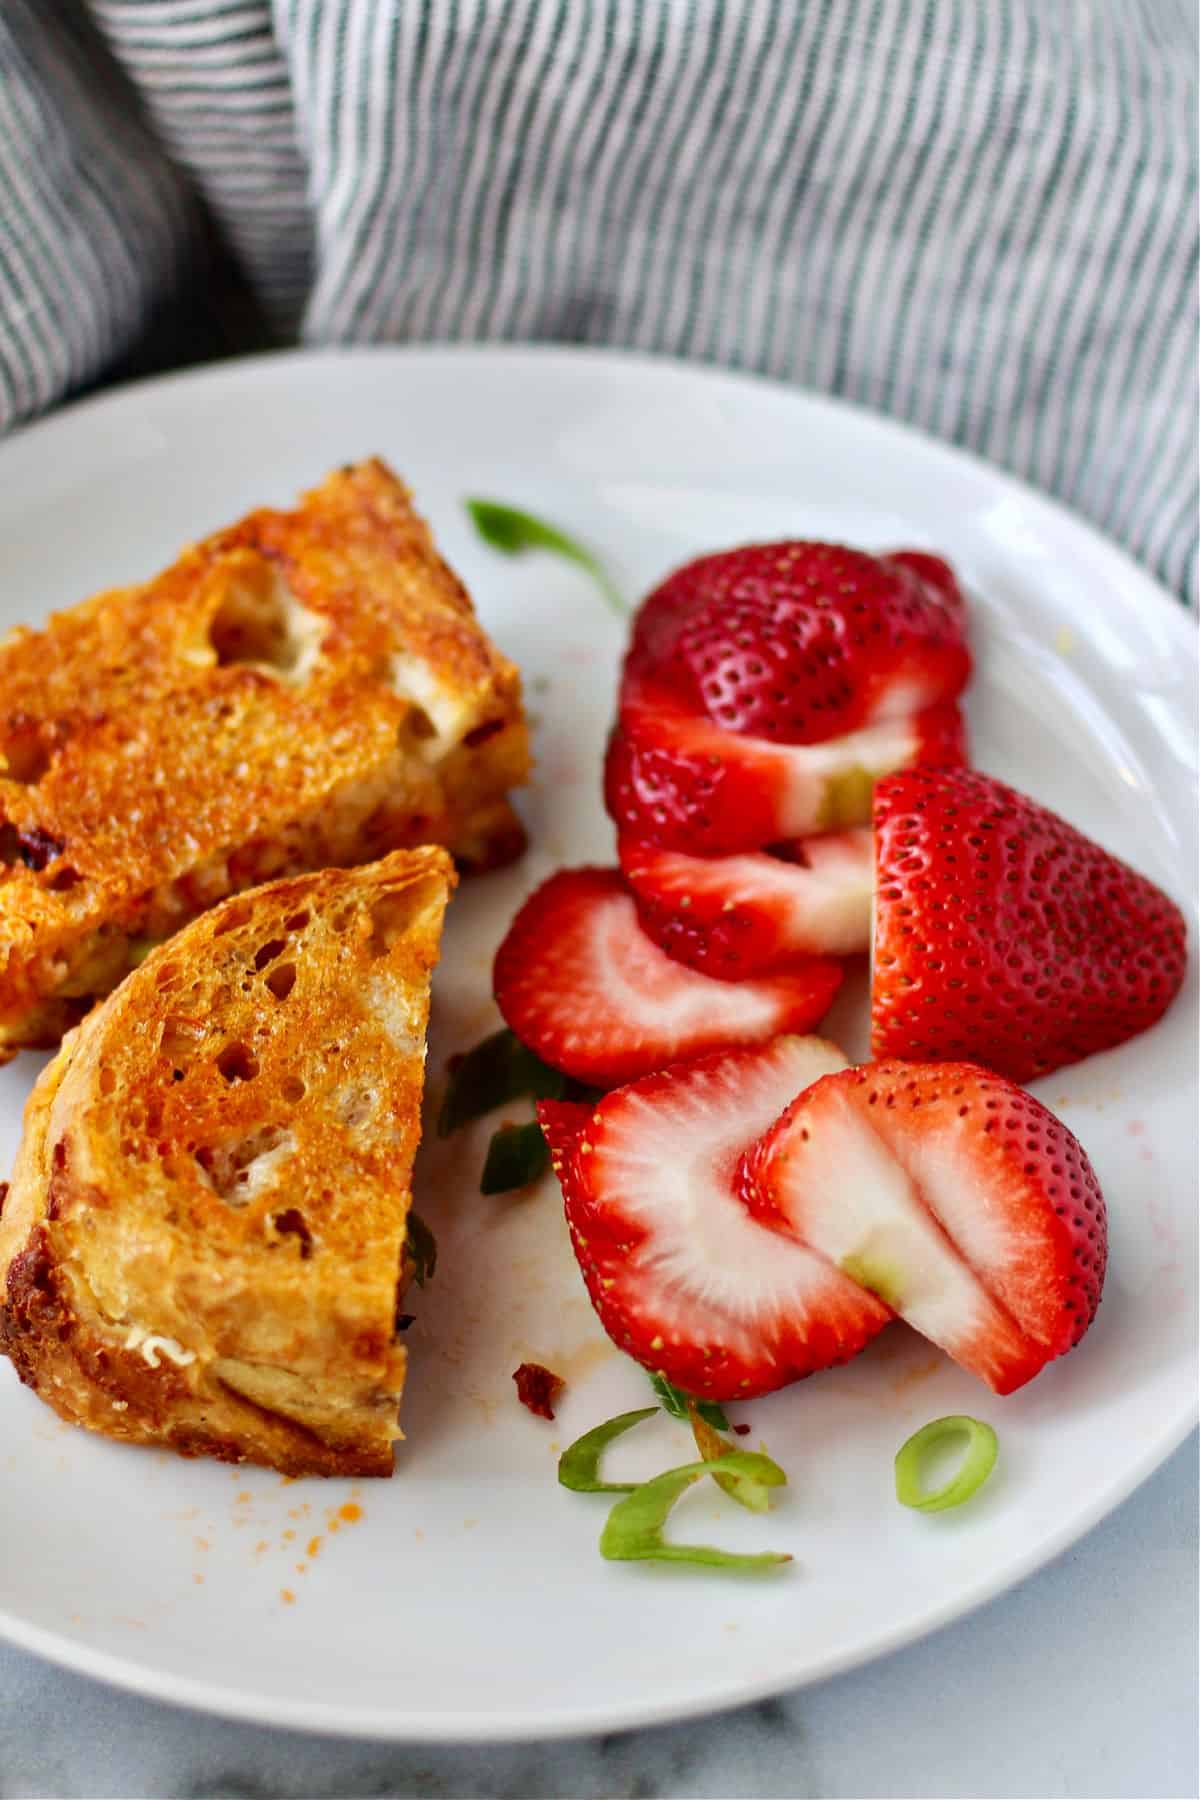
(799, 642)
(955, 1197)
(581, 984)
(737, 916)
(1004, 936)
(681, 1275)
(677, 780)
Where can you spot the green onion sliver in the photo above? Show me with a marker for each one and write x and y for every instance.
(634, 1527)
(978, 1461)
(579, 1464)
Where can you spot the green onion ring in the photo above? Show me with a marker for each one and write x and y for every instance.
(977, 1464)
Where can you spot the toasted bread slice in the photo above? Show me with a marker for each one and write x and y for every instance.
(202, 1244)
(306, 689)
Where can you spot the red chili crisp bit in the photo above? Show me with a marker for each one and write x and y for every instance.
(538, 1388)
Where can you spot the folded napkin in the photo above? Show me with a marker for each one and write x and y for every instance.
(978, 215)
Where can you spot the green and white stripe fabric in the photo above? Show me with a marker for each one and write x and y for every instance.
(978, 215)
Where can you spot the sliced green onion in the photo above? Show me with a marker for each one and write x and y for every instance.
(579, 1464)
(676, 1402)
(712, 1447)
(513, 532)
(421, 1246)
(633, 1529)
(496, 1071)
(518, 1155)
(978, 1461)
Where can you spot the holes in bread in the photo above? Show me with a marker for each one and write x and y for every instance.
(233, 916)
(179, 1039)
(292, 1223)
(479, 734)
(266, 953)
(240, 1169)
(292, 1089)
(237, 1062)
(28, 845)
(64, 879)
(418, 724)
(282, 980)
(260, 623)
(26, 753)
(297, 921)
(391, 915)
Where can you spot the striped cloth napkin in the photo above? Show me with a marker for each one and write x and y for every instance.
(977, 215)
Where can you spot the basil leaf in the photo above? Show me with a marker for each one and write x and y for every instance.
(496, 1071)
(513, 533)
(634, 1527)
(421, 1246)
(675, 1401)
(579, 1464)
(518, 1155)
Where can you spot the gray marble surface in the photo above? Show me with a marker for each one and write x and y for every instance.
(1082, 1682)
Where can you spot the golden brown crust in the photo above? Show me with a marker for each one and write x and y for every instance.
(201, 1245)
(305, 689)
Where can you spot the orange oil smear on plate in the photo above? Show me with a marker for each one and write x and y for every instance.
(287, 1596)
(915, 1376)
(314, 1547)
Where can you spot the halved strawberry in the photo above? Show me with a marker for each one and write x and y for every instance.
(1006, 937)
(674, 779)
(681, 1275)
(736, 916)
(801, 641)
(954, 1196)
(581, 984)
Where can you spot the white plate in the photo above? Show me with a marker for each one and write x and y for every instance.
(466, 1599)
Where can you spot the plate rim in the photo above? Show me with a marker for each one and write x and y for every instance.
(233, 368)
(476, 1725)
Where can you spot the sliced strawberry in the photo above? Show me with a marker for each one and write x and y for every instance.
(937, 574)
(799, 642)
(1004, 936)
(682, 1277)
(738, 916)
(581, 984)
(957, 1198)
(677, 780)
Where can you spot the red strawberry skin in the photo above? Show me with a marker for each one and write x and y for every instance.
(580, 983)
(735, 917)
(676, 780)
(1011, 1194)
(1003, 936)
(682, 1278)
(801, 641)
(1047, 1267)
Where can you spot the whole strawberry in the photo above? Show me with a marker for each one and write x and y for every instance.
(1003, 936)
(802, 641)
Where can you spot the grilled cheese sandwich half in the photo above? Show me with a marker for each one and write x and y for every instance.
(203, 1244)
(306, 689)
